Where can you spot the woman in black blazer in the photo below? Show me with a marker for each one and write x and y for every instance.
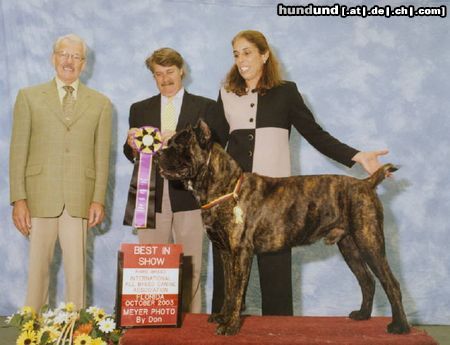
(258, 109)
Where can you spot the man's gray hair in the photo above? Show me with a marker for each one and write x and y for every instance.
(73, 38)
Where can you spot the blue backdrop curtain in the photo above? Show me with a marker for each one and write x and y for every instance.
(372, 82)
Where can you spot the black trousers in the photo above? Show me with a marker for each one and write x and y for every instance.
(275, 277)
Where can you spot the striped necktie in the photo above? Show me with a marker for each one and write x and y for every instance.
(168, 121)
(68, 103)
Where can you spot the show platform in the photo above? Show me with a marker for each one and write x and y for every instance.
(265, 330)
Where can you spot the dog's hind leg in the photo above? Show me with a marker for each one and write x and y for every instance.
(370, 241)
(241, 262)
(357, 265)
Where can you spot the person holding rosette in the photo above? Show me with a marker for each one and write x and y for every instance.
(172, 214)
(59, 166)
(259, 108)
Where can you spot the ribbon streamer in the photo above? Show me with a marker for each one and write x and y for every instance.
(140, 210)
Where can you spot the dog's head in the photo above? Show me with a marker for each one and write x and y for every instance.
(186, 153)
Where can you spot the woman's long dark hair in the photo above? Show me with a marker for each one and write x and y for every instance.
(271, 75)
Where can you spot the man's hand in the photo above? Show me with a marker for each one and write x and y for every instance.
(130, 140)
(96, 214)
(21, 217)
(369, 160)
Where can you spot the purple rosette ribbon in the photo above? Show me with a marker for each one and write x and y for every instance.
(140, 210)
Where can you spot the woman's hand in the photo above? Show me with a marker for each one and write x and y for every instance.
(369, 160)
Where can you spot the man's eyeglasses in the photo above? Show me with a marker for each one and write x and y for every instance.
(66, 56)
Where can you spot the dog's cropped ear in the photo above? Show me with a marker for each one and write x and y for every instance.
(203, 134)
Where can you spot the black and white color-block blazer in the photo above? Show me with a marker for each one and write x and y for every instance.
(257, 129)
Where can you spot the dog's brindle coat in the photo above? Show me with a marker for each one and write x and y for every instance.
(277, 213)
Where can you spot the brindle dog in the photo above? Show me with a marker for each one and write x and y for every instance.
(245, 213)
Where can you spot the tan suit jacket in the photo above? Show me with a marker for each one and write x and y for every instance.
(57, 161)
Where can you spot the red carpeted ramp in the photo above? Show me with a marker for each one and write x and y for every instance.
(264, 330)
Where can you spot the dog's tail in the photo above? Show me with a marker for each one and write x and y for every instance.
(380, 174)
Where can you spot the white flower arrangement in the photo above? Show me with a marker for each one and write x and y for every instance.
(65, 326)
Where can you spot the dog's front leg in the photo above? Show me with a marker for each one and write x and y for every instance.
(223, 316)
(236, 278)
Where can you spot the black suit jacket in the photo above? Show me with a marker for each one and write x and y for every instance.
(148, 113)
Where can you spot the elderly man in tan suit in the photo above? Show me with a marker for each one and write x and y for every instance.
(59, 161)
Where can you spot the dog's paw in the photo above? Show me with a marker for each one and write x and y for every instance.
(221, 330)
(398, 328)
(358, 315)
(228, 329)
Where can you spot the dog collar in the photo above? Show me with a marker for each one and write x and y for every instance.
(222, 198)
